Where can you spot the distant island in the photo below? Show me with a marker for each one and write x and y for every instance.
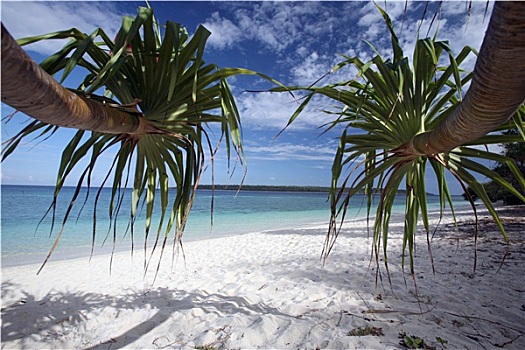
(277, 188)
(266, 188)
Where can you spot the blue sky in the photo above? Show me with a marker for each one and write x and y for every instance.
(294, 42)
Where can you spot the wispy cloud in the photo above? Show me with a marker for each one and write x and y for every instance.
(24, 19)
(277, 26)
(303, 40)
(308, 36)
(311, 68)
(272, 111)
(283, 151)
(451, 21)
(225, 34)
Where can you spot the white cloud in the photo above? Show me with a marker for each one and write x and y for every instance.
(452, 22)
(265, 110)
(312, 68)
(224, 33)
(273, 110)
(288, 151)
(23, 19)
(371, 19)
(455, 26)
(274, 25)
(302, 51)
(262, 30)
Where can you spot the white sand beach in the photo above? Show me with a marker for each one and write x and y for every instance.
(271, 290)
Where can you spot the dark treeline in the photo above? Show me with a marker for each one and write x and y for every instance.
(267, 188)
(276, 188)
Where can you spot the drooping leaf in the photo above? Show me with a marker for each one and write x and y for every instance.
(394, 101)
(158, 74)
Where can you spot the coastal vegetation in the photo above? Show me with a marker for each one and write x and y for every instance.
(151, 98)
(277, 188)
(515, 151)
(266, 188)
(256, 281)
(404, 118)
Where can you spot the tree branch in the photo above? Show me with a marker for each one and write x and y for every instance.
(497, 89)
(31, 90)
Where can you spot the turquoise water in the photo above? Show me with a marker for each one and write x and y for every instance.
(25, 241)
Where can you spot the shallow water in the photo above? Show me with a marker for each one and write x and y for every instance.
(24, 240)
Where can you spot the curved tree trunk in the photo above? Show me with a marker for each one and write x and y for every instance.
(29, 89)
(497, 88)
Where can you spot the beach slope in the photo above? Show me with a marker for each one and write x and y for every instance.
(271, 290)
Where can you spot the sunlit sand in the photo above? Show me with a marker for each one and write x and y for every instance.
(271, 290)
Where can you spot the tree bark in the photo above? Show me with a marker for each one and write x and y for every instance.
(497, 88)
(31, 90)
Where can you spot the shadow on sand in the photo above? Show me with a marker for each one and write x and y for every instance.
(59, 310)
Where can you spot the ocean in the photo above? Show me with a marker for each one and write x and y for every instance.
(27, 237)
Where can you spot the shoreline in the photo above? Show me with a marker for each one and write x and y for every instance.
(83, 252)
(271, 290)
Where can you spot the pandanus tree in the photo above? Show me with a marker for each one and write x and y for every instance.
(148, 97)
(402, 119)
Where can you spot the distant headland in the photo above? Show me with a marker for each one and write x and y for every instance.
(275, 188)
(266, 188)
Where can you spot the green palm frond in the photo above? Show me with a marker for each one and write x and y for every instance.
(164, 79)
(384, 107)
